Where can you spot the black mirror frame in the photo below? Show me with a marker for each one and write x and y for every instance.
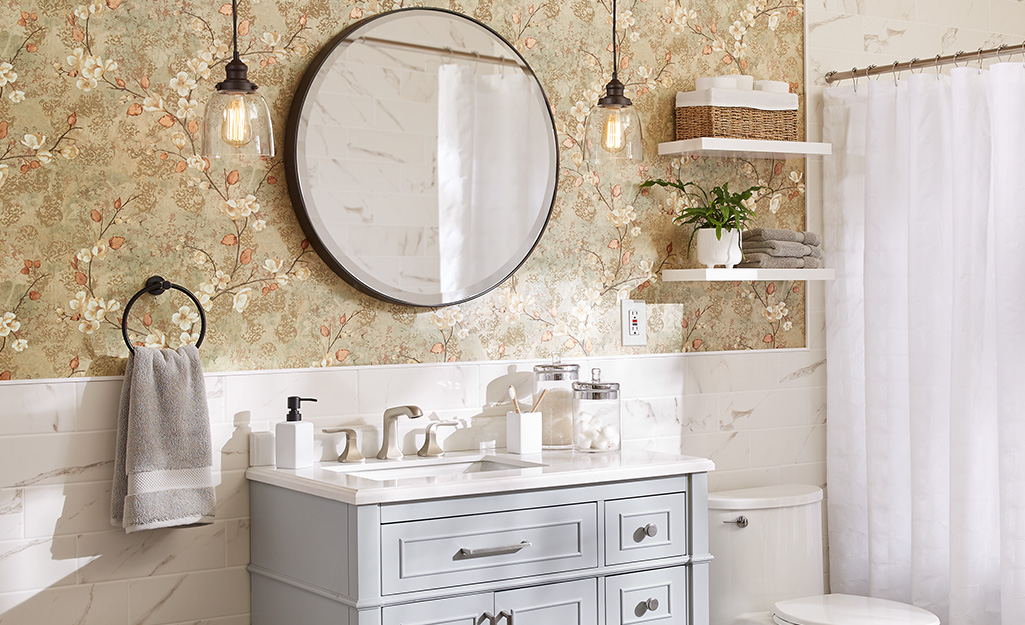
(292, 171)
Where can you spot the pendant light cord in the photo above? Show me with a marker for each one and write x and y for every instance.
(234, 26)
(615, 45)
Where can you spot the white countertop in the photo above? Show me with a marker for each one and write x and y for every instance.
(342, 482)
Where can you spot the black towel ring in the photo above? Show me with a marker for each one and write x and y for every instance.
(156, 286)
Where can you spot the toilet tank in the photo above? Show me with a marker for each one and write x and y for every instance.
(776, 556)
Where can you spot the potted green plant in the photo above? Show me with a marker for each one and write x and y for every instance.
(715, 213)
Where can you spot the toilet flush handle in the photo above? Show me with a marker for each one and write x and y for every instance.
(740, 521)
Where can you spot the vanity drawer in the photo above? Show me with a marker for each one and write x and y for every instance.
(440, 553)
(644, 528)
(658, 596)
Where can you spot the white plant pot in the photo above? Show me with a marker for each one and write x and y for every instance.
(713, 251)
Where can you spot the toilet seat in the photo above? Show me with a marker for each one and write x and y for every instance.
(840, 609)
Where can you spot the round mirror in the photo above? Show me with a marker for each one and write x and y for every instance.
(421, 157)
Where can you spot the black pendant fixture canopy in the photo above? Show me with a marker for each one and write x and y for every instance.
(237, 120)
(612, 131)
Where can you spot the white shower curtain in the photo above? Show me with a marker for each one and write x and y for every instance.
(925, 223)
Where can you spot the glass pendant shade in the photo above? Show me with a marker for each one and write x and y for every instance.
(612, 134)
(237, 123)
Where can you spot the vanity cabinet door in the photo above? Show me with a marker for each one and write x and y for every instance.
(569, 603)
(465, 610)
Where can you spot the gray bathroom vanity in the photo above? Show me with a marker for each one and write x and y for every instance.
(561, 538)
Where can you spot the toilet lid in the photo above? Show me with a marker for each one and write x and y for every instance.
(850, 610)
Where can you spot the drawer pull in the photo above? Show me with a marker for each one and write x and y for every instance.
(651, 604)
(651, 529)
(484, 552)
(508, 616)
(487, 616)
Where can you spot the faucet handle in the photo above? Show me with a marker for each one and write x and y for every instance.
(351, 453)
(431, 448)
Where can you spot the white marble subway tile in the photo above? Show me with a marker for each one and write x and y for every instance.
(786, 446)
(807, 473)
(658, 417)
(838, 31)
(91, 604)
(904, 40)
(898, 9)
(98, 402)
(200, 596)
(232, 496)
(236, 534)
(230, 445)
(649, 376)
(12, 518)
(816, 290)
(722, 373)
(432, 387)
(66, 509)
(771, 409)
(264, 394)
(38, 563)
(743, 478)
(56, 458)
(1007, 16)
(114, 555)
(966, 14)
(700, 413)
(728, 450)
(32, 408)
(802, 369)
(409, 117)
(215, 399)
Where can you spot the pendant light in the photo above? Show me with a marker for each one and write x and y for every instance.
(612, 131)
(237, 119)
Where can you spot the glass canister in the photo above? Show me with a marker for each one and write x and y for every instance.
(557, 407)
(597, 420)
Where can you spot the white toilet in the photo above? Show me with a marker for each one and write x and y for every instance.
(767, 544)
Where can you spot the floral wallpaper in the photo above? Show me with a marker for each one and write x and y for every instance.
(102, 186)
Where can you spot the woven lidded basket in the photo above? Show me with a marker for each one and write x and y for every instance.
(693, 122)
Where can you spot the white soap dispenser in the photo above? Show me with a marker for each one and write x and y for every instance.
(293, 438)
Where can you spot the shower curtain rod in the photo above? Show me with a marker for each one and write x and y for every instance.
(917, 63)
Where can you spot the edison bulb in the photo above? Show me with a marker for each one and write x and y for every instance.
(613, 135)
(235, 129)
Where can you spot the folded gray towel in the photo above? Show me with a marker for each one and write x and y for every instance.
(163, 469)
(764, 261)
(777, 248)
(779, 234)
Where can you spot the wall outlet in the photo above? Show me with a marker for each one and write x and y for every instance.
(635, 326)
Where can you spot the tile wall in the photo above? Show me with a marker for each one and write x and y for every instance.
(759, 416)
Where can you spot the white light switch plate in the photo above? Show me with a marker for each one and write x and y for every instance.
(635, 327)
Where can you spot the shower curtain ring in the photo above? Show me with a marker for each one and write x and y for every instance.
(938, 71)
(854, 75)
(980, 60)
(956, 56)
(1000, 52)
(911, 64)
(868, 69)
(895, 72)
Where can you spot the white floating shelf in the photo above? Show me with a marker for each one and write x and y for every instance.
(721, 274)
(745, 148)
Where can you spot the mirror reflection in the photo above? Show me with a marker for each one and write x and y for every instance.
(424, 157)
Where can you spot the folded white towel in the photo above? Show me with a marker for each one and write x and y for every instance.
(761, 100)
(163, 469)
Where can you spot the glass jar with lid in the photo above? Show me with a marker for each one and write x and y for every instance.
(556, 409)
(597, 420)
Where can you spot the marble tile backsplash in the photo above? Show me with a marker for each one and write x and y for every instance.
(759, 416)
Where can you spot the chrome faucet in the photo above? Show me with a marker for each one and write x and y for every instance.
(389, 445)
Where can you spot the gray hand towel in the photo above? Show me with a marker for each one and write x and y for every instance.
(777, 248)
(764, 261)
(163, 469)
(778, 234)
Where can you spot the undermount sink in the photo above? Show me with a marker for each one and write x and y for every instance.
(423, 469)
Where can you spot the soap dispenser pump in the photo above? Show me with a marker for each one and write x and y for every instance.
(293, 438)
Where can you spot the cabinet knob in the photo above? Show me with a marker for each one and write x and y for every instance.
(651, 529)
(651, 604)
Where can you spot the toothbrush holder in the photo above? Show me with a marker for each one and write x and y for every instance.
(523, 432)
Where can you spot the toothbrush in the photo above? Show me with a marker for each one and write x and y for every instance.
(538, 402)
(512, 394)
